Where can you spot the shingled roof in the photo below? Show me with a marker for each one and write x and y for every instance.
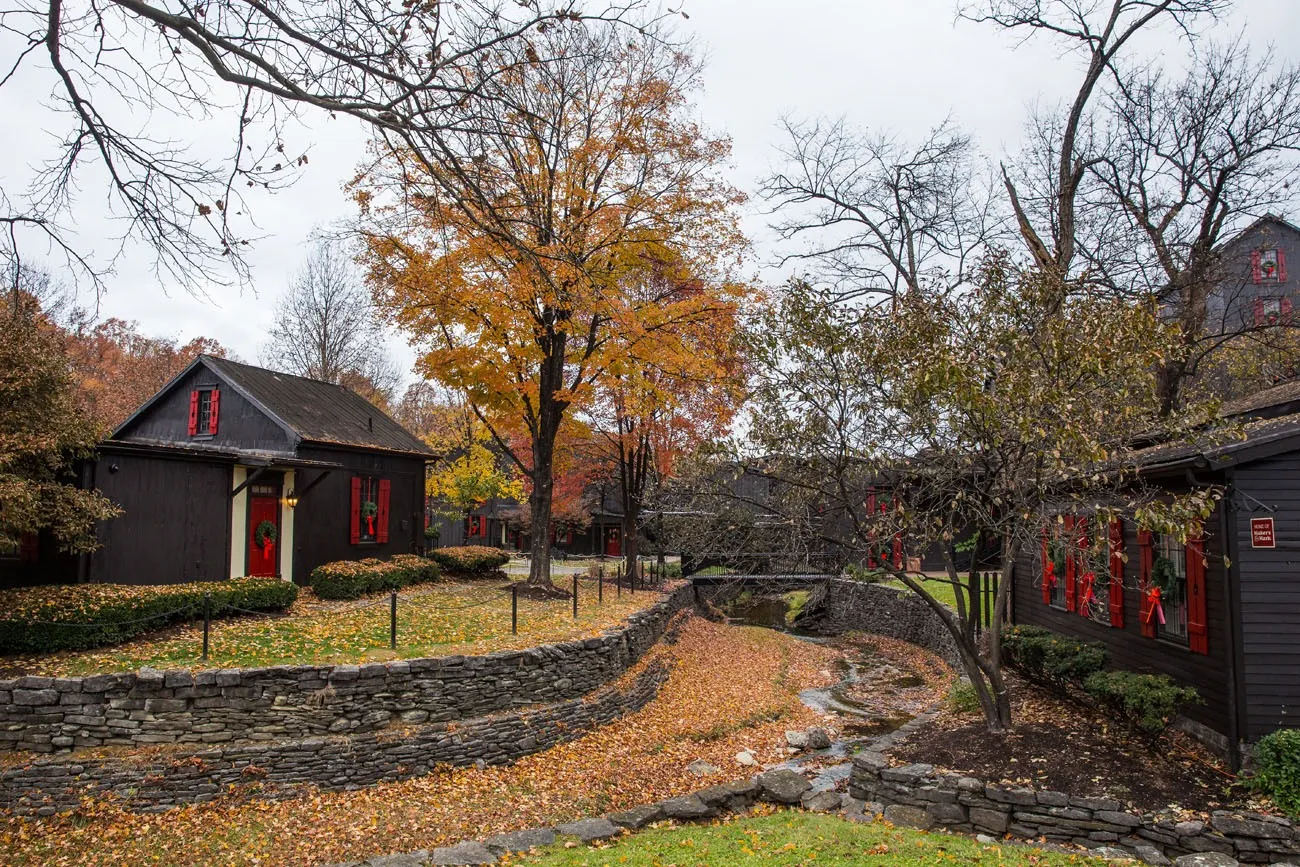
(319, 412)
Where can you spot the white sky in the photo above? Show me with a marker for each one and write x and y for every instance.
(901, 65)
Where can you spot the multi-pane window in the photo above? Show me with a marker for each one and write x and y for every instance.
(1169, 576)
(205, 410)
(1094, 576)
(369, 508)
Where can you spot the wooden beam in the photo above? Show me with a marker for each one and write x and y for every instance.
(248, 481)
(313, 483)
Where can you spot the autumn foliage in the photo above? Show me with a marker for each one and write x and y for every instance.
(564, 237)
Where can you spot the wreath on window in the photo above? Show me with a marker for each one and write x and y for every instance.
(1163, 575)
(265, 536)
(369, 509)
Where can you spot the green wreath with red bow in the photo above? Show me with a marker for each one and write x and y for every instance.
(265, 537)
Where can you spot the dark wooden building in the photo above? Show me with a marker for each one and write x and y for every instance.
(1219, 613)
(235, 470)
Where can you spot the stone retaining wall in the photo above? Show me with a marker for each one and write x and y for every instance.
(894, 613)
(44, 714)
(916, 795)
(150, 783)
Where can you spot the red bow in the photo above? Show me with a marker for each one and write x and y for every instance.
(1050, 576)
(1155, 610)
(1086, 595)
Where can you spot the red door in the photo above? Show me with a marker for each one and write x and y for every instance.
(263, 555)
(613, 542)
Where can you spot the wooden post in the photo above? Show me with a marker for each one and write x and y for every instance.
(392, 621)
(207, 621)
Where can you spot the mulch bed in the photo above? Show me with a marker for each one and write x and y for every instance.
(1067, 746)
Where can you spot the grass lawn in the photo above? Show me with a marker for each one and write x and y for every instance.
(432, 620)
(796, 838)
(939, 588)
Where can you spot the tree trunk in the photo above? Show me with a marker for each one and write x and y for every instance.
(631, 544)
(539, 504)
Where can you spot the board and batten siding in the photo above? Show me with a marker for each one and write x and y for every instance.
(1270, 594)
(323, 517)
(175, 521)
(1128, 649)
(240, 424)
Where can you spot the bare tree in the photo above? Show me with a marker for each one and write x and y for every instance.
(1187, 163)
(114, 67)
(1099, 31)
(880, 215)
(326, 327)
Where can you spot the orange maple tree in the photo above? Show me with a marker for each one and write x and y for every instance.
(519, 257)
(117, 368)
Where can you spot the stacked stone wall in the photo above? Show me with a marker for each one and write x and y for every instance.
(918, 796)
(284, 703)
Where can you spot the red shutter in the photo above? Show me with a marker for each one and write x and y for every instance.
(1256, 270)
(381, 520)
(1281, 266)
(1084, 608)
(356, 510)
(1197, 638)
(1259, 312)
(1117, 574)
(214, 409)
(1070, 571)
(194, 412)
(29, 548)
(1146, 559)
(1286, 309)
(1047, 566)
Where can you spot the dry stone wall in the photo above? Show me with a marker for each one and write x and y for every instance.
(917, 795)
(861, 607)
(50, 785)
(44, 714)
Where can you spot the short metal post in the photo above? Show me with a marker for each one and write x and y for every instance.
(514, 609)
(600, 585)
(618, 581)
(207, 621)
(575, 595)
(392, 621)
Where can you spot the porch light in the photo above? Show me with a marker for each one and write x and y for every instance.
(291, 500)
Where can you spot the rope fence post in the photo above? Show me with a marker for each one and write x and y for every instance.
(575, 595)
(600, 584)
(207, 622)
(514, 609)
(618, 581)
(392, 621)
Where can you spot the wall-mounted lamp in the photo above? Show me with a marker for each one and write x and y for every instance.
(291, 500)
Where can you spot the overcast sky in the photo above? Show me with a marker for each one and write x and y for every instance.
(901, 65)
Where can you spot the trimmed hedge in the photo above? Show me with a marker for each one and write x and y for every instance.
(1277, 760)
(1050, 659)
(82, 616)
(1147, 701)
(470, 559)
(352, 579)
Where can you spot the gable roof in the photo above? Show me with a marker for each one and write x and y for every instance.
(318, 412)
(309, 410)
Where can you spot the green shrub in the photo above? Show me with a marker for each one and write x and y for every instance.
(963, 698)
(1050, 659)
(470, 559)
(352, 579)
(1277, 760)
(82, 616)
(431, 533)
(1147, 701)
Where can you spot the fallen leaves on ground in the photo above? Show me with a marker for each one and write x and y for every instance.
(731, 688)
(432, 620)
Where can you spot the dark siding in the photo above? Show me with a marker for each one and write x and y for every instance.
(1270, 594)
(322, 518)
(174, 524)
(240, 424)
(1128, 649)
